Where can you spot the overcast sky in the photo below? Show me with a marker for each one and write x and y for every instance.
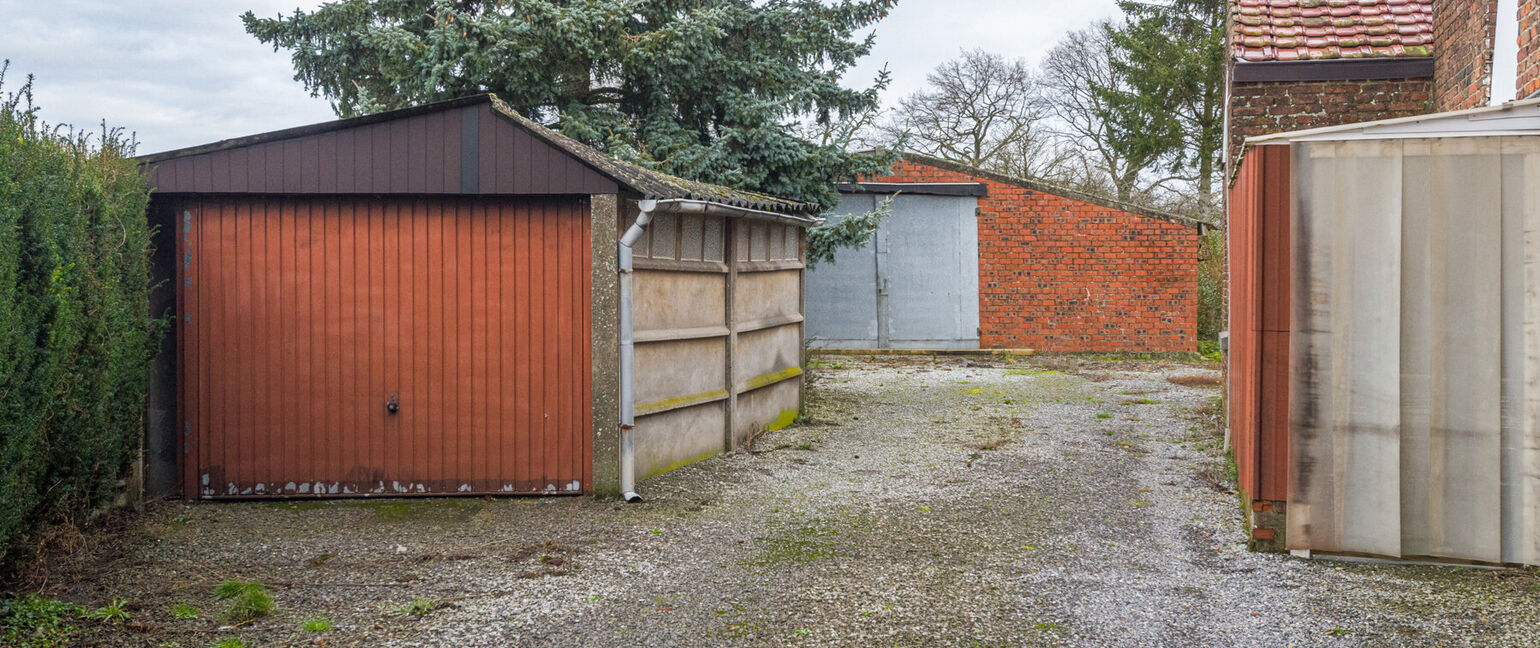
(183, 72)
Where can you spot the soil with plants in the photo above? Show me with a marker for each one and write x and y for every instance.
(921, 502)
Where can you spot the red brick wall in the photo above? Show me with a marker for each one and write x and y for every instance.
(1529, 48)
(1063, 275)
(1463, 32)
(1276, 107)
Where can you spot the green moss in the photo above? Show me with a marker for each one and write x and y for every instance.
(785, 420)
(680, 401)
(772, 378)
(1030, 372)
(680, 464)
(391, 509)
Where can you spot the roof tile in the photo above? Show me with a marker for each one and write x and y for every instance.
(1307, 30)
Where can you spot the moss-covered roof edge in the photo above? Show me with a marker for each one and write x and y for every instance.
(1061, 191)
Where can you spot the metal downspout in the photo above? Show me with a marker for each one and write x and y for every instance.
(628, 354)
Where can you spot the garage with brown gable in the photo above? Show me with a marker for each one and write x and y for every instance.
(438, 300)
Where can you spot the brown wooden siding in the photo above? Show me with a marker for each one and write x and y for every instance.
(463, 150)
(299, 318)
(1260, 322)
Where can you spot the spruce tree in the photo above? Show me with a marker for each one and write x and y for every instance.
(713, 90)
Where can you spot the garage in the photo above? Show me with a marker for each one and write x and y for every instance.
(434, 301)
(970, 258)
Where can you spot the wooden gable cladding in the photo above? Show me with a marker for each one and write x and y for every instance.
(451, 149)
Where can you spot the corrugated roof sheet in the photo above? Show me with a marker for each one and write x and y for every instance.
(1310, 30)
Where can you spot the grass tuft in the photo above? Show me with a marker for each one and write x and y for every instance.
(184, 611)
(417, 608)
(318, 624)
(247, 600)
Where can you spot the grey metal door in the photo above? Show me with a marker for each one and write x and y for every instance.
(914, 287)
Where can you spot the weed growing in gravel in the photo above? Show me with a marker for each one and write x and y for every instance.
(1140, 401)
(318, 624)
(991, 443)
(114, 612)
(1338, 631)
(247, 600)
(1103, 415)
(816, 539)
(31, 621)
(418, 607)
(1022, 371)
(184, 611)
(229, 642)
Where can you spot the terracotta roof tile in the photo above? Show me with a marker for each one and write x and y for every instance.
(1296, 30)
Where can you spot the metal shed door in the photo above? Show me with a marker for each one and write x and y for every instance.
(928, 273)
(916, 286)
(302, 320)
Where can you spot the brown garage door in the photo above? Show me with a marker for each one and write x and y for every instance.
(302, 319)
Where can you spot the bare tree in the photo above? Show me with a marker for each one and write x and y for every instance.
(1071, 73)
(978, 108)
(1041, 154)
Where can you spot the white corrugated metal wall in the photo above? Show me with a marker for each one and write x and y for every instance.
(1415, 410)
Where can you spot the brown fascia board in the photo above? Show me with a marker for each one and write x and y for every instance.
(313, 129)
(649, 183)
(1369, 69)
(1063, 192)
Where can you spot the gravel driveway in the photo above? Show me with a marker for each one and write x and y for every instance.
(926, 502)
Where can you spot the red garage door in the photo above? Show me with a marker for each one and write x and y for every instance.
(384, 346)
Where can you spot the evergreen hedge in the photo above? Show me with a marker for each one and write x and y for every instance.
(76, 337)
(1211, 285)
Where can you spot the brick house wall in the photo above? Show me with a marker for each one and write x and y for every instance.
(1463, 33)
(1059, 274)
(1529, 48)
(1264, 108)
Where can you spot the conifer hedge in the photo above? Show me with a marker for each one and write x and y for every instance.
(76, 337)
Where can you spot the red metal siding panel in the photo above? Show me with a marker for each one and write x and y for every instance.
(1275, 247)
(1273, 427)
(1259, 356)
(1273, 418)
(302, 317)
(1243, 375)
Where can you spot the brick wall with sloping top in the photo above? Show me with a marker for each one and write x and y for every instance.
(1064, 275)
(1463, 31)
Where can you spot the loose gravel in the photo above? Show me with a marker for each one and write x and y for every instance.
(923, 502)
